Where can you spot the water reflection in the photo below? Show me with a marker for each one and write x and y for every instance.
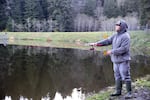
(38, 72)
(75, 95)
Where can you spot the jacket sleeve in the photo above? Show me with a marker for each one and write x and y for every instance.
(125, 45)
(106, 42)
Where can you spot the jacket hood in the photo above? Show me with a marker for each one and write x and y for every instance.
(123, 26)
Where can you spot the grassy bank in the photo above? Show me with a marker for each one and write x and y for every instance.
(141, 89)
(140, 41)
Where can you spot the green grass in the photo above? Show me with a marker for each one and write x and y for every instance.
(59, 36)
(144, 82)
(100, 96)
(57, 39)
(140, 41)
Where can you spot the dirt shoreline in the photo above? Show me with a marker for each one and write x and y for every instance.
(140, 91)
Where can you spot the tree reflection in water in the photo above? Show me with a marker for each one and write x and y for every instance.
(40, 72)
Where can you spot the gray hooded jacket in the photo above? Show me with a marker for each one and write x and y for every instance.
(120, 44)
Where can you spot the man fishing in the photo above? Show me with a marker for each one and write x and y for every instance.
(120, 56)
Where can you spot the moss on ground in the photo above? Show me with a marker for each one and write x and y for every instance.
(143, 82)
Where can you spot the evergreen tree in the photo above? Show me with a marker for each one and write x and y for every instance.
(67, 14)
(145, 12)
(17, 10)
(3, 17)
(129, 6)
(33, 9)
(61, 12)
(44, 5)
(90, 6)
(111, 8)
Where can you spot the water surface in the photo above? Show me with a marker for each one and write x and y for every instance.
(45, 72)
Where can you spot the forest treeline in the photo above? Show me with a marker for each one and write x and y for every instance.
(72, 15)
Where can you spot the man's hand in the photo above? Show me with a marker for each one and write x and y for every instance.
(92, 44)
(108, 52)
